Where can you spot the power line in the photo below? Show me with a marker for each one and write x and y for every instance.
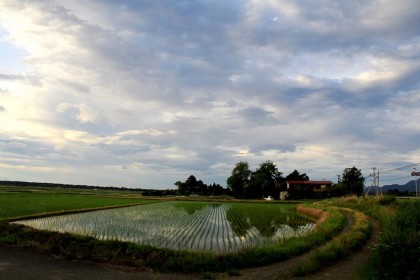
(375, 182)
(394, 179)
(402, 169)
(399, 168)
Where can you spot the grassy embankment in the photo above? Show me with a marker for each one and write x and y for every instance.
(339, 247)
(396, 256)
(138, 256)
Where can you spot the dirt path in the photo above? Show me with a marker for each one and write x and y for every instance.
(345, 269)
(19, 264)
(348, 268)
(24, 264)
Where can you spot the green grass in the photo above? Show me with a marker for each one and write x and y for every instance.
(14, 204)
(339, 247)
(397, 255)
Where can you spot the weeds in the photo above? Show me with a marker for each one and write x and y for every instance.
(337, 248)
(397, 256)
(398, 253)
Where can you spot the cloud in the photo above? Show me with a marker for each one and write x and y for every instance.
(12, 77)
(148, 93)
(257, 116)
(83, 114)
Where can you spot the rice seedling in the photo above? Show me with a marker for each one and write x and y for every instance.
(193, 226)
(47, 203)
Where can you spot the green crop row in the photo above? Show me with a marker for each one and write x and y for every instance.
(140, 256)
(16, 205)
(220, 228)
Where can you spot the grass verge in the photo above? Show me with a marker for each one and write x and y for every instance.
(397, 255)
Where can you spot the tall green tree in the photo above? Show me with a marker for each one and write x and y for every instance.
(354, 180)
(239, 177)
(296, 176)
(263, 180)
(194, 186)
(191, 185)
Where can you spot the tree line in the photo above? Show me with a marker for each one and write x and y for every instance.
(194, 186)
(267, 180)
(244, 183)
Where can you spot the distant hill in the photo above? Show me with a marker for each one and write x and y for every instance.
(408, 187)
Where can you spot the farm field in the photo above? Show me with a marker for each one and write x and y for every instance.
(220, 228)
(394, 257)
(15, 203)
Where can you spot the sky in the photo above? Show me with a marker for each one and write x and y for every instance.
(147, 93)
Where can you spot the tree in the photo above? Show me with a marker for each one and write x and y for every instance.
(296, 176)
(191, 185)
(182, 188)
(263, 180)
(194, 186)
(239, 178)
(354, 180)
(215, 189)
(337, 190)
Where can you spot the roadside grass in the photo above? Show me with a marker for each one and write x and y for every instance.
(397, 255)
(339, 247)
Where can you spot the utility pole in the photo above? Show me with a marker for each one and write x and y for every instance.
(374, 179)
(378, 189)
(415, 174)
(375, 182)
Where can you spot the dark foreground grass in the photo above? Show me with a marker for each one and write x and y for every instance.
(139, 256)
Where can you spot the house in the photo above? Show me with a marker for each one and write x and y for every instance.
(305, 189)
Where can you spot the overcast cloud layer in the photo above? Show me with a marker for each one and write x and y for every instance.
(146, 93)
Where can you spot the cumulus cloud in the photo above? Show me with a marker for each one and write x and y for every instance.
(148, 93)
(83, 114)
